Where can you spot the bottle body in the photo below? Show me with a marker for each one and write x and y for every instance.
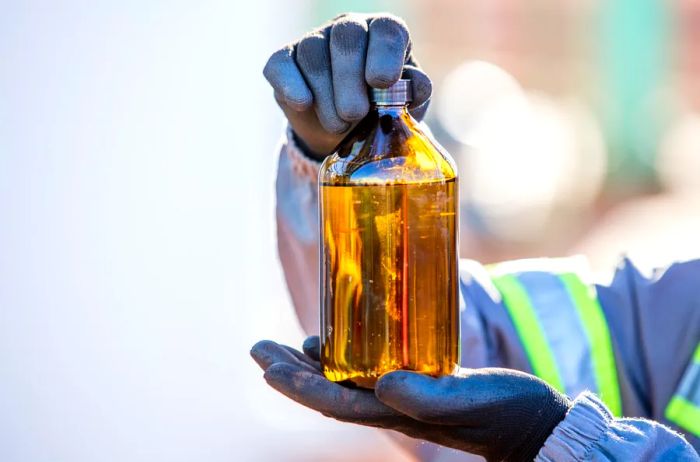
(389, 281)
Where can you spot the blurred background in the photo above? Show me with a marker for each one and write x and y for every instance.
(137, 142)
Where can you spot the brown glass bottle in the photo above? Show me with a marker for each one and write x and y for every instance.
(388, 219)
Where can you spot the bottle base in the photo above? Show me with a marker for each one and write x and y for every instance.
(358, 380)
(369, 380)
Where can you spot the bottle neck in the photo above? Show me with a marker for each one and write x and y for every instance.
(394, 110)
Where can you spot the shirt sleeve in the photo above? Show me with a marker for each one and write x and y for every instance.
(297, 229)
(590, 433)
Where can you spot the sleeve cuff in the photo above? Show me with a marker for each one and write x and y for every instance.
(580, 431)
(301, 164)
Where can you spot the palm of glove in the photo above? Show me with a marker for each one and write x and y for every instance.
(497, 413)
(320, 82)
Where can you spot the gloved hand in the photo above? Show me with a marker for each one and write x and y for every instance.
(500, 414)
(320, 82)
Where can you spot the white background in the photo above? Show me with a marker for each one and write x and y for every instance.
(137, 255)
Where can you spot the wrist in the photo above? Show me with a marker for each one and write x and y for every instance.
(298, 161)
(553, 411)
(584, 427)
(305, 149)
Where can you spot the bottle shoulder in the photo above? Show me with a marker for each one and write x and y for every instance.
(394, 150)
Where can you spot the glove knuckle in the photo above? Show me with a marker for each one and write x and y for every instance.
(274, 62)
(348, 36)
(312, 54)
(391, 26)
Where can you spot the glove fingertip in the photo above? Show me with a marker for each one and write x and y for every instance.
(399, 385)
(276, 370)
(304, 387)
(312, 347)
(421, 85)
(259, 353)
(410, 393)
(258, 346)
(283, 374)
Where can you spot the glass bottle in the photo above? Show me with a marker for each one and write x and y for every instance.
(388, 218)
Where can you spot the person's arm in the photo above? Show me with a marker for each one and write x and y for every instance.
(297, 229)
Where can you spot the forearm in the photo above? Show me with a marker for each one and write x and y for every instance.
(297, 230)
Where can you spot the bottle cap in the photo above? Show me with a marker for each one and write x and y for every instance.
(398, 93)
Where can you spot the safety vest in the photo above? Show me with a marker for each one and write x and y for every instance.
(684, 407)
(561, 325)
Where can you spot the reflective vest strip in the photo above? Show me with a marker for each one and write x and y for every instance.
(684, 414)
(562, 328)
(599, 340)
(689, 388)
(684, 407)
(528, 327)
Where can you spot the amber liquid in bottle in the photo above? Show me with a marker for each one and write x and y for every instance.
(389, 283)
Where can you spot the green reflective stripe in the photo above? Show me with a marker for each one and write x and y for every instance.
(684, 407)
(529, 330)
(596, 327)
(684, 414)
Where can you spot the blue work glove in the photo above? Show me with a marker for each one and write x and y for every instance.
(500, 414)
(321, 81)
